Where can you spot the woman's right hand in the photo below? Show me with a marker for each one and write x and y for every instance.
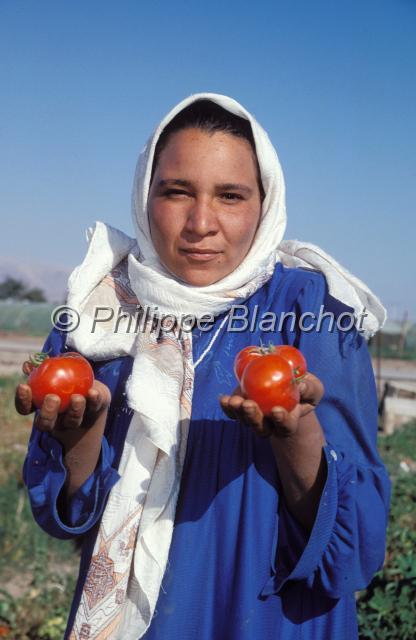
(81, 414)
(79, 429)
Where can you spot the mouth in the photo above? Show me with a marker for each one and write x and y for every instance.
(200, 255)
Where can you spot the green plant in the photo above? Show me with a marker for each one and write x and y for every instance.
(37, 573)
(387, 608)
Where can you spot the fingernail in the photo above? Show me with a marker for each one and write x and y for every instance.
(302, 387)
(277, 414)
(50, 403)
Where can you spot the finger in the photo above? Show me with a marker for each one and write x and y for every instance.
(235, 403)
(48, 413)
(251, 413)
(27, 367)
(278, 415)
(98, 397)
(265, 429)
(311, 389)
(224, 402)
(104, 392)
(230, 406)
(23, 399)
(72, 418)
(305, 408)
(284, 422)
(94, 401)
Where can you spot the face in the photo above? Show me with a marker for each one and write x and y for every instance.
(204, 205)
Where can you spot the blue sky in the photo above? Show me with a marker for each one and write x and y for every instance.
(82, 85)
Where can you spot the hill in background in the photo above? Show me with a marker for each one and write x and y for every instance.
(51, 279)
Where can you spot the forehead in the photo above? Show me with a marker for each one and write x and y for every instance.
(203, 151)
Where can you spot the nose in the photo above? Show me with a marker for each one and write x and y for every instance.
(202, 219)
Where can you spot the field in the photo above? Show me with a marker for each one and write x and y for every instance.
(37, 573)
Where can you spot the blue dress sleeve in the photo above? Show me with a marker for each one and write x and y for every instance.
(347, 543)
(44, 474)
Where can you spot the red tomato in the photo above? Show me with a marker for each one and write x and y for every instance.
(269, 381)
(62, 375)
(294, 358)
(244, 357)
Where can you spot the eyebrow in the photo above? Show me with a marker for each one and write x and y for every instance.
(226, 186)
(235, 186)
(179, 183)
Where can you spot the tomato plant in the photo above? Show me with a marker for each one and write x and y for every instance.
(62, 375)
(269, 381)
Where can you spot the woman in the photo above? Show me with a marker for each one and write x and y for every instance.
(195, 526)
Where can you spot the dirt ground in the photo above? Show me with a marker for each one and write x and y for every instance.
(14, 349)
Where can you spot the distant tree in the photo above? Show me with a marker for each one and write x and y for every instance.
(16, 290)
(11, 288)
(34, 295)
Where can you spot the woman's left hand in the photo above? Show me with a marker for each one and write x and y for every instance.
(296, 439)
(281, 423)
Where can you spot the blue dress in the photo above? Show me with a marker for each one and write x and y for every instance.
(240, 566)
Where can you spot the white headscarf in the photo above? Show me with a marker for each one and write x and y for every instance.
(136, 529)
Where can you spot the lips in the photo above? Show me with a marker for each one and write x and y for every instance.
(199, 255)
(198, 251)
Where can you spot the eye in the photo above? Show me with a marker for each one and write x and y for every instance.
(175, 192)
(229, 195)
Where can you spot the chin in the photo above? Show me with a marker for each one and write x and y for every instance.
(197, 275)
(199, 278)
(196, 281)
